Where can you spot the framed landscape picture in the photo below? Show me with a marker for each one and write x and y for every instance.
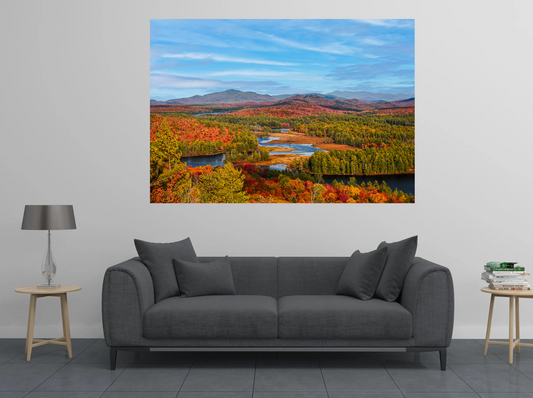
(282, 111)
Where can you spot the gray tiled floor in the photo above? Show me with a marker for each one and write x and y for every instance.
(51, 374)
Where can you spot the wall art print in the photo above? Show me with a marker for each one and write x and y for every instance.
(282, 111)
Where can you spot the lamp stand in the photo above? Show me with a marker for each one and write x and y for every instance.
(49, 266)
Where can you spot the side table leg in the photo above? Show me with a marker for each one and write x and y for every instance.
(31, 324)
(517, 312)
(489, 323)
(66, 323)
(511, 332)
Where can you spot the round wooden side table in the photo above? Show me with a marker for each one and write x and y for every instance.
(38, 292)
(514, 296)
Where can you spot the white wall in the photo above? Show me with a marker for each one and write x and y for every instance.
(74, 90)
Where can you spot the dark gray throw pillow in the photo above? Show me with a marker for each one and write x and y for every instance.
(361, 275)
(204, 279)
(158, 259)
(400, 257)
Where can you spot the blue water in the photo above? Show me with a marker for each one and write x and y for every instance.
(303, 149)
(402, 182)
(213, 160)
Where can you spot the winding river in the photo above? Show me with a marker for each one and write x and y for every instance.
(402, 182)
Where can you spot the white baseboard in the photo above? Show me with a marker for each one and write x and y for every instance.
(50, 332)
(96, 332)
(496, 332)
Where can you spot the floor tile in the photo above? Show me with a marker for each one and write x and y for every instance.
(408, 357)
(502, 351)
(99, 352)
(25, 376)
(442, 395)
(129, 394)
(55, 394)
(164, 356)
(287, 357)
(364, 394)
(426, 378)
(348, 357)
(525, 368)
(5, 343)
(210, 394)
(55, 353)
(493, 377)
(290, 394)
(13, 394)
(469, 351)
(367, 377)
(288, 377)
(151, 377)
(505, 395)
(81, 377)
(10, 348)
(220, 377)
(224, 357)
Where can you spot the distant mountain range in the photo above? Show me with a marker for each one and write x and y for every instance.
(344, 104)
(239, 97)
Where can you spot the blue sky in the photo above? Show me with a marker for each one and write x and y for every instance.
(196, 57)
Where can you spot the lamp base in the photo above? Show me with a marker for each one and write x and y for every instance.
(46, 285)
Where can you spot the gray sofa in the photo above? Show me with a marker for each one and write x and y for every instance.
(281, 304)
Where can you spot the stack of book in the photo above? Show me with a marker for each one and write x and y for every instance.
(505, 276)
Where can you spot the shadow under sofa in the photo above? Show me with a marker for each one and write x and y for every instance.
(281, 304)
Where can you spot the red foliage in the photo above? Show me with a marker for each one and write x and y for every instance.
(188, 130)
(395, 111)
(286, 111)
(175, 108)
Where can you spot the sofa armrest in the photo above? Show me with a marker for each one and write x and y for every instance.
(127, 293)
(428, 295)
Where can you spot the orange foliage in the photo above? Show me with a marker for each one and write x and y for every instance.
(176, 108)
(286, 111)
(188, 130)
(395, 111)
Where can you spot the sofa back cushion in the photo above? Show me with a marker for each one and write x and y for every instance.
(204, 279)
(309, 275)
(252, 275)
(158, 259)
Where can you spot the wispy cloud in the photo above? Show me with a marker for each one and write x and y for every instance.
(170, 80)
(333, 48)
(380, 70)
(374, 42)
(252, 73)
(224, 58)
(389, 23)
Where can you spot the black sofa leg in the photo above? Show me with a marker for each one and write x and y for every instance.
(113, 358)
(443, 353)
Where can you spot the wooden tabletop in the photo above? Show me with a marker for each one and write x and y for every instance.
(48, 290)
(508, 293)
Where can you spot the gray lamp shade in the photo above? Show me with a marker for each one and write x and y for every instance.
(48, 217)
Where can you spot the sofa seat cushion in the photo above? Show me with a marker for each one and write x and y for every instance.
(213, 317)
(341, 317)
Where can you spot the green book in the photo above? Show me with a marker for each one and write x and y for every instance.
(505, 269)
(499, 264)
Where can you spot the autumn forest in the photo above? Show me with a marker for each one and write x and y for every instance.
(281, 151)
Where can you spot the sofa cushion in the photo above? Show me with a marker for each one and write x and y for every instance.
(204, 279)
(158, 259)
(213, 317)
(361, 275)
(309, 275)
(341, 317)
(257, 276)
(400, 256)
